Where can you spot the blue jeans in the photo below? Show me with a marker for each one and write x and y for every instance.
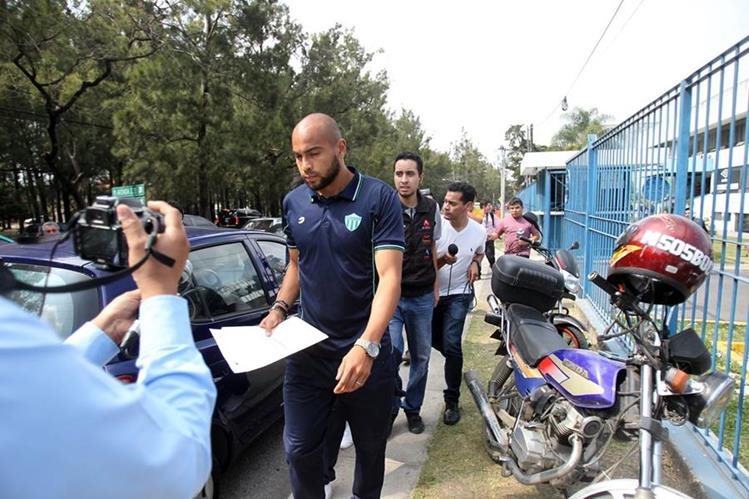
(415, 313)
(447, 330)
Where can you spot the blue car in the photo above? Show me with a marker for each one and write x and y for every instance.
(231, 280)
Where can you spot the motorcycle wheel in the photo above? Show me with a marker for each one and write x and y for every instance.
(625, 488)
(573, 336)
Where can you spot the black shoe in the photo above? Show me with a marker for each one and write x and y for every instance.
(415, 424)
(451, 415)
(390, 426)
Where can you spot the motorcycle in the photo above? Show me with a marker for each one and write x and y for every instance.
(569, 328)
(550, 412)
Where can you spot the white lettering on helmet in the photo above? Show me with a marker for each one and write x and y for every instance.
(677, 247)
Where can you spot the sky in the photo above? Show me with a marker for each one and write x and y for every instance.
(482, 66)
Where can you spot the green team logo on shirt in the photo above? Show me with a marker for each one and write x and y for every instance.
(352, 221)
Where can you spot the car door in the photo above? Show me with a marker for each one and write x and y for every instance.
(229, 286)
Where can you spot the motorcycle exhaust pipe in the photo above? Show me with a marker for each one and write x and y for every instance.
(498, 437)
(548, 475)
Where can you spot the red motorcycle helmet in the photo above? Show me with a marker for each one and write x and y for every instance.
(662, 258)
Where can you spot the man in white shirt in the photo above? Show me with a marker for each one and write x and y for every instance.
(457, 272)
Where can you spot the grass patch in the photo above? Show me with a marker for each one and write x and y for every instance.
(731, 416)
(720, 340)
(731, 252)
(736, 349)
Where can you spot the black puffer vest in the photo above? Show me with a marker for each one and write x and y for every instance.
(418, 267)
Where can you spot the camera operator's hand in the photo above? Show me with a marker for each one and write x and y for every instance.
(118, 316)
(155, 278)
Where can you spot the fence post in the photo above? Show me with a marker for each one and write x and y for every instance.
(682, 147)
(681, 172)
(547, 209)
(590, 201)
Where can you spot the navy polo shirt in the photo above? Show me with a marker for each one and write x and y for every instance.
(337, 238)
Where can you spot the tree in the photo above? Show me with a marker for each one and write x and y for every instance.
(65, 50)
(580, 124)
(206, 120)
(469, 165)
(518, 145)
(335, 80)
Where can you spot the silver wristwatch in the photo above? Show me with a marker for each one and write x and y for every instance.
(372, 348)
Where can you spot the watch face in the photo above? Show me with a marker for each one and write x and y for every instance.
(373, 350)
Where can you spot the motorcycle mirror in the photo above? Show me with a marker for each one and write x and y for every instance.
(574, 245)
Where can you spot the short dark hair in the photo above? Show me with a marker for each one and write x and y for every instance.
(485, 203)
(466, 190)
(515, 200)
(408, 155)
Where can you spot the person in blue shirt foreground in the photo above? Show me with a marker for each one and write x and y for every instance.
(71, 430)
(345, 237)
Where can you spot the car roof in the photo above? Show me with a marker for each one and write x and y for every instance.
(196, 220)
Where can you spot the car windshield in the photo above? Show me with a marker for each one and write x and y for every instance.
(262, 224)
(63, 311)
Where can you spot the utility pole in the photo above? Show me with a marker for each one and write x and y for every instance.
(502, 164)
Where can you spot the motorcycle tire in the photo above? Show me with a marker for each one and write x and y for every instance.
(573, 336)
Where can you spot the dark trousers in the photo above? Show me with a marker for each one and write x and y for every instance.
(448, 320)
(315, 420)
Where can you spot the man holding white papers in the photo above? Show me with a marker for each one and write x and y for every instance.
(345, 238)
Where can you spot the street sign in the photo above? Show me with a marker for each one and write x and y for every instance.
(137, 191)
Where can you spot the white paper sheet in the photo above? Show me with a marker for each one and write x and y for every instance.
(247, 348)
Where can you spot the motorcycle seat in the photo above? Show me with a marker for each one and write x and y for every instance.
(534, 338)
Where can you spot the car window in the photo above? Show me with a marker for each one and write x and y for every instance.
(65, 312)
(277, 257)
(223, 281)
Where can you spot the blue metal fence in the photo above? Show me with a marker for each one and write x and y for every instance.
(685, 152)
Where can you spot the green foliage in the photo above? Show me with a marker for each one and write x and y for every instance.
(580, 124)
(519, 144)
(195, 99)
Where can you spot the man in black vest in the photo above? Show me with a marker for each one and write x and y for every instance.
(421, 224)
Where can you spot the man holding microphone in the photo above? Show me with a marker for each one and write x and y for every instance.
(459, 254)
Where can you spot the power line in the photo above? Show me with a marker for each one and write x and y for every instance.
(611, 20)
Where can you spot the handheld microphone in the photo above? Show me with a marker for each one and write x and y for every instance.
(452, 249)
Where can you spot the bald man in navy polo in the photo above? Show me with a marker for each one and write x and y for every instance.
(345, 237)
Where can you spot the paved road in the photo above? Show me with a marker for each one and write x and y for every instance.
(260, 471)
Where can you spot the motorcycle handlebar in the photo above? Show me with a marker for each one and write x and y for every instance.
(602, 283)
(534, 244)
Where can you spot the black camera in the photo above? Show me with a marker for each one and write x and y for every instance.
(98, 235)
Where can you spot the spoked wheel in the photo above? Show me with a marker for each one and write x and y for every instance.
(624, 489)
(573, 336)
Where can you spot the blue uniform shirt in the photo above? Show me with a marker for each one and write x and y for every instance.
(337, 238)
